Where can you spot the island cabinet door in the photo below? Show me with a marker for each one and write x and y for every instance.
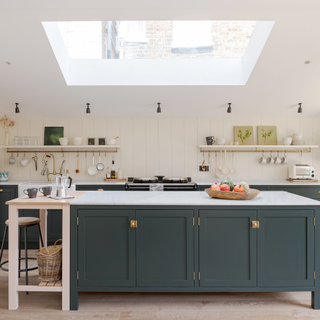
(106, 248)
(165, 248)
(286, 248)
(227, 248)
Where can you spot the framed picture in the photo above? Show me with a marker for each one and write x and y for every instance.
(102, 141)
(243, 135)
(91, 141)
(52, 135)
(267, 135)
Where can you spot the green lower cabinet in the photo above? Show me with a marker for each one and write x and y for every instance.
(286, 248)
(54, 225)
(106, 248)
(227, 248)
(6, 193)
(165, 255)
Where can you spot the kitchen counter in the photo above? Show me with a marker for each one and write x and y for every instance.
(146, 241)
(196, 198)
(257, 182)
(199, 181)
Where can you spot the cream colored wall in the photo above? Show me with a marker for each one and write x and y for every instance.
(167, 146)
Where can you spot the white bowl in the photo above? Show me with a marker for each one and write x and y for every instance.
(111, 141)
(77, 141)
(221, 141)
(64, 142)
(287, 141)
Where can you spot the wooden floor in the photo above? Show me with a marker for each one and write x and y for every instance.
(156, 306)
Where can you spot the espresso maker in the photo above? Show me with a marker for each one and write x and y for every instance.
(62, 182)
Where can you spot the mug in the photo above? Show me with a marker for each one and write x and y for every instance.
(24, 161)
(277, 160)
(262, 159)
(12, 160)
(210, 140)
(45, 190)
(31, 193)
(284, 159)
(270, 160)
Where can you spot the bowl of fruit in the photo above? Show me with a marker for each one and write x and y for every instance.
(227, 190)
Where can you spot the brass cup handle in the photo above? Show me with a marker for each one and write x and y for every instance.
(100, 189)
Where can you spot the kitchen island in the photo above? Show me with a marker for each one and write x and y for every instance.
(188, 242)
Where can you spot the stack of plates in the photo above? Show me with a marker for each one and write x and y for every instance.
(297, 139)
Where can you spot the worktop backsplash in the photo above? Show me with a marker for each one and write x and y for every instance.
(166, 146)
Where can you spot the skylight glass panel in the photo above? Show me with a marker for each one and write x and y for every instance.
(203, 39)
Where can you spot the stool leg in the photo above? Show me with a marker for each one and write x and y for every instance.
(20, 241)
(26, 253)
(3, 240)
(40, 235)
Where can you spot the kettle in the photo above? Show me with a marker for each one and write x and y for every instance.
(62, 182)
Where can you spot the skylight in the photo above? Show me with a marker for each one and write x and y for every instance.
(156, 39)
(157, 53)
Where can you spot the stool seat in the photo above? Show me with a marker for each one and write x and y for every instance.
(26, 221)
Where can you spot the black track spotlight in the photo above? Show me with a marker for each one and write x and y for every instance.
(300, 108)
(17, 110)
(88, 108)
(159, 108)
(229, 108)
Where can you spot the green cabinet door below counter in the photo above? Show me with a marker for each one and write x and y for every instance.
(6, 193)
(227, 248)
(106, 248)
(165, 248)
(286, 248)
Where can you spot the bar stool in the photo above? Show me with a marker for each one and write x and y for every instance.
(24, 223)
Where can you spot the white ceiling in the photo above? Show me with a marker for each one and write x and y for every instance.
(277, 84)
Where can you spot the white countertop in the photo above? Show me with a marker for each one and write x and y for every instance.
(194, 198)
(53, 181)
(256, 182)
(199, 181)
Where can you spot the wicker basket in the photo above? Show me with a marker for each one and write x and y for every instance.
(50, 262)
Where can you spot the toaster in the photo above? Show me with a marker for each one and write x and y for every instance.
(301, 171)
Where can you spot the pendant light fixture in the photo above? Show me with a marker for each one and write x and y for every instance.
(17, 110)
(88, 108)
(229, 108)
(159, 108)
(299, 109)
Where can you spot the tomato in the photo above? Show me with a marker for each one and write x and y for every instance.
(215, 186)
(238, 188)
(224, 187)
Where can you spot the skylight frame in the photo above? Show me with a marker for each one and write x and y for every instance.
(160, 72)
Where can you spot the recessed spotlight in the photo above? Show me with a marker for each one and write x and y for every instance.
(307, 62)
(8, 63)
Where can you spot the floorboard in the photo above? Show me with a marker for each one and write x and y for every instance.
(158, 306)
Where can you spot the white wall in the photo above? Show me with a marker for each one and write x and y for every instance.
(167, 146)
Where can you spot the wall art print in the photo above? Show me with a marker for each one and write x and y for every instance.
(243, 135)
(52, 135)
(267, 135)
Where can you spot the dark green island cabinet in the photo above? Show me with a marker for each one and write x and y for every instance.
(240, 246)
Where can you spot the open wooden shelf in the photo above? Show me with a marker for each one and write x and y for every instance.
(257, 148)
